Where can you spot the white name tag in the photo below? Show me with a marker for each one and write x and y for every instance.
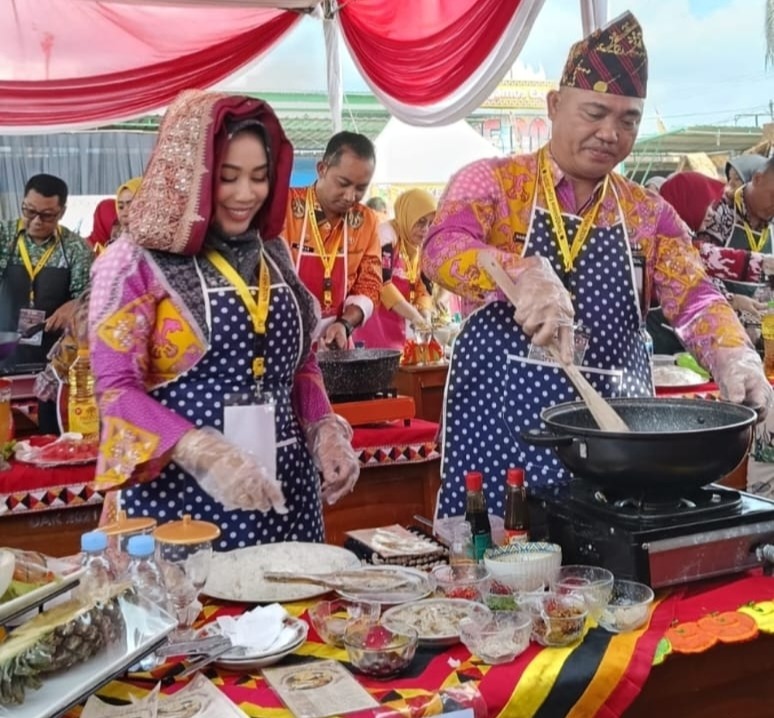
(251, 427)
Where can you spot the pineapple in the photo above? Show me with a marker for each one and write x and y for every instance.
(56, 640)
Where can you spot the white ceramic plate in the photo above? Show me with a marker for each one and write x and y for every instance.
(241, 661)
(65, 577)
(676, 377)
(241, 655)
(419, 585)
(146, 629)
(238, 575)
(437, 619)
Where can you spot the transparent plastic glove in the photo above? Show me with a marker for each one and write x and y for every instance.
(738, 373)
(231, 476)
(329, 443)
(543, 306)
(742, 303)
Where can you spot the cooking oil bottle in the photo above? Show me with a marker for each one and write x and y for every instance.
(82, 411)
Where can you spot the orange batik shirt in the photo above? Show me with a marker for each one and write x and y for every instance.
(355, 234)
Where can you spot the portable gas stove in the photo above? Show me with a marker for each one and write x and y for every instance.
(658, 539)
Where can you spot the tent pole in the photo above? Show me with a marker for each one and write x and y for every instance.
(332, 33)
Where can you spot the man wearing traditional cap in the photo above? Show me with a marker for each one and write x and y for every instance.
(587, 249)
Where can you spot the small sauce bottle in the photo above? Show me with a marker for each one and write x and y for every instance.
(476, 514)
(516, 520)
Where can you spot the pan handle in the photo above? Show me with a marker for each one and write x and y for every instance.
(545, 438)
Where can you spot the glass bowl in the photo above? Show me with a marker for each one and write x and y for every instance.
(502, 597)
(498, 640)
(557, 620)
(595, 584)
(524, 566)
(466, 581)
(628, 607)
(378, 651)
(330, 618)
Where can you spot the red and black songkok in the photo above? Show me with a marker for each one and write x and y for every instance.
(611, 60)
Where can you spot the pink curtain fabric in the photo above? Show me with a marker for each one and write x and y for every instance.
(70, 63)
(421, 52)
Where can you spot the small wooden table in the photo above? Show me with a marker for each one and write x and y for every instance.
(425, 384)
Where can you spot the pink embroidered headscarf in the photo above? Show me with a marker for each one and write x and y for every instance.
(173, 207)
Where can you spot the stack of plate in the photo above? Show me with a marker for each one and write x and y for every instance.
(242, 659)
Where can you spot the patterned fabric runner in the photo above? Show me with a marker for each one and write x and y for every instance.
(601, 676)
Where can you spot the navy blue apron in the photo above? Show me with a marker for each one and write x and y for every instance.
(494, 392)
(198, 396)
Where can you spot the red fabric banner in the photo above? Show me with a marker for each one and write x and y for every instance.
(421, 52)
(65, 62)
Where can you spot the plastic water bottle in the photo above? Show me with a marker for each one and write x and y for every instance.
(82, 411)
(767, 329)
(99, 574)
(144, 572)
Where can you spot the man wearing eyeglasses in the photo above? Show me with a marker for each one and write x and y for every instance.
(43, 268)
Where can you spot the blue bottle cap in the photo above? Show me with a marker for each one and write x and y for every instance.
(142, 545)
(93, 541)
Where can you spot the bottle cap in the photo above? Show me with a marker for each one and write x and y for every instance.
(474, 480)
(141, 546)
(515, 477)
(186, 531)
(93, 541)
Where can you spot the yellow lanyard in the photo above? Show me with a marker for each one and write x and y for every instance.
(748, 230)
(328, 259)
(41, 263)
(258, 312)
(412, 269)
(569, 254)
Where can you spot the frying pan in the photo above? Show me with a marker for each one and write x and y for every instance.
(674, 445)
(9, 340)
(358, 372)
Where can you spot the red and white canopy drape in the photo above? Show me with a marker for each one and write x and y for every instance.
(70, 63)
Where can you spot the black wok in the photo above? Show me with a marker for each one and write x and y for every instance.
(353, 373)
(674, 445)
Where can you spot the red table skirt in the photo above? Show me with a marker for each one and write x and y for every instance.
(30, 488)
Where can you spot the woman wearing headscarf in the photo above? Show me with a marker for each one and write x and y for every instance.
(211, 402)
(693, 195)
(739, 171)
(111, 217)
(405, 296)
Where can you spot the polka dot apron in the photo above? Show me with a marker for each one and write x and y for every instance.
(495, 392)
(198, 396)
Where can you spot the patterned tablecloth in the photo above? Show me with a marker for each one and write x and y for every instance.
(31, 488)
(600, 676)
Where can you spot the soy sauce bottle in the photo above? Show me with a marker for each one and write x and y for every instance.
(516, 520)
(476, 514)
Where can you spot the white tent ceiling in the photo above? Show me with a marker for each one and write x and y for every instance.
(406, 154)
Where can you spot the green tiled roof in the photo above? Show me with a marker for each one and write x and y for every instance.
(306, 118)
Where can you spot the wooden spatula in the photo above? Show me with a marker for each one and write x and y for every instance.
(604, 414)
(343, 580)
